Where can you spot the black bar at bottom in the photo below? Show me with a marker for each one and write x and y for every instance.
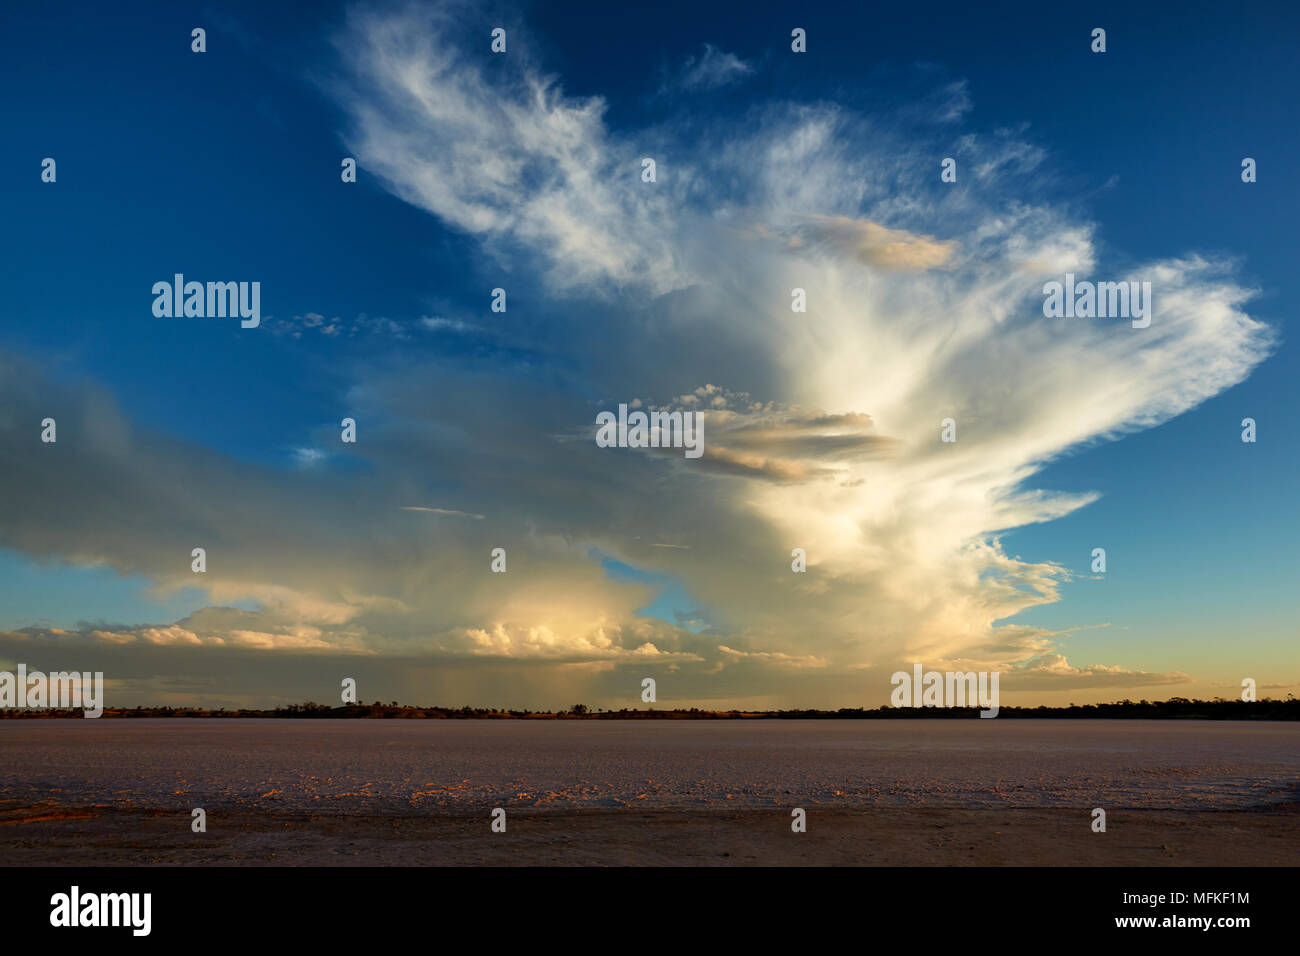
(661, 908)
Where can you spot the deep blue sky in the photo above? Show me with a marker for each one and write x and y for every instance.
(226, 165)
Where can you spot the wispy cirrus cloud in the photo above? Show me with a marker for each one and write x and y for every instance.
(443, 511)
(710, 69)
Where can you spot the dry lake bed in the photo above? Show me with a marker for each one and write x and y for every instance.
(714, 792)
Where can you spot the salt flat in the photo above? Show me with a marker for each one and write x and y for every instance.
(460, 766)
(596, 793)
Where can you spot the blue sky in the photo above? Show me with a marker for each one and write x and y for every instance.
(225, 165)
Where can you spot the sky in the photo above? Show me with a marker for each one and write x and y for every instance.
(774, 171)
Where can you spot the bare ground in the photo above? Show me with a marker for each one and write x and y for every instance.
(46, 834)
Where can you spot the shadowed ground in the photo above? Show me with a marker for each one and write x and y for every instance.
(34, 836)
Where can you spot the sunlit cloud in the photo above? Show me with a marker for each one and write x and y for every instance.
(822, 428)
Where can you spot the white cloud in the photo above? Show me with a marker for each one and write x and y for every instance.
(510, 160)
(822, 428)
(923, 305)
(711, 69)
(307, 457)
(438, 323)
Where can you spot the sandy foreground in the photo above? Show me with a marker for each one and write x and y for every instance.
(105, 836)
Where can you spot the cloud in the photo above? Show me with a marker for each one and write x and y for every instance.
(924, 303)
(952, 102)
(822, 429)
(769, 441)
(1054, 672)
(438, 323)
(443, 511)
(776, 659)
(598, 644)
(313, 322)
(711, 69)
(875, 245)
(511, 160)
(308, 457)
